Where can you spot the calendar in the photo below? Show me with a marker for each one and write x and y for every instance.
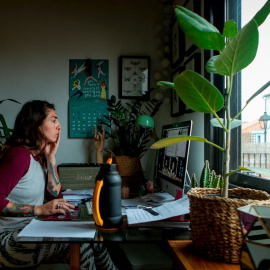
(88, 94)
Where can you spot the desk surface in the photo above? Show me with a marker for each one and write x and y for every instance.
(123, 234)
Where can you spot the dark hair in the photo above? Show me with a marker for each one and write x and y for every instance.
(26, 130)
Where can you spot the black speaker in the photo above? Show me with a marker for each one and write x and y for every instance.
(77, 175)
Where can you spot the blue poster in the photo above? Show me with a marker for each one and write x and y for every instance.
(88, 94)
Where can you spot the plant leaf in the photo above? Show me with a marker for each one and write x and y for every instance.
(13, 100)
(239, 52)
(210, 65)
(197, 92)
(174, 140)
(230, 29)
(235, 123)
(168, 84)
(259, 91)
(202, 33)
(261, 171)
(262, 14)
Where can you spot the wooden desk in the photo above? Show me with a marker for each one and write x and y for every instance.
(185, 258)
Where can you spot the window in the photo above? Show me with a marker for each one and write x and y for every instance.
(245, 84)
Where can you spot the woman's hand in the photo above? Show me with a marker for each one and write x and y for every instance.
(51, 148)
(57, 206)
(99, 138)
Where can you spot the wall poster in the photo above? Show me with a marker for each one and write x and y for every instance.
(88, 94)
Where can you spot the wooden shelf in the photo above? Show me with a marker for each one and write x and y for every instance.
(186, 259)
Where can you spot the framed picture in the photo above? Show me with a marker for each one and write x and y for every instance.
(177, 105)
(177, 44)
(134, 76)
(192, 63)
(193, 5)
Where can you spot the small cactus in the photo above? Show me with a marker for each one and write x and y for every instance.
(212, 178)
(194, 182)
(204, 180)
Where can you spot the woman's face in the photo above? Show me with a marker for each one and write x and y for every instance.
(51, 127)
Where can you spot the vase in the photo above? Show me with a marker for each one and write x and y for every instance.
(131, 172)
(215, 225)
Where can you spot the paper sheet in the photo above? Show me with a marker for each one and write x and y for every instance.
(167, 210)
(59, 229)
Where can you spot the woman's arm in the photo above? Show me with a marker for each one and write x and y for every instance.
(50, 208)
(99, 140)
(53, 183)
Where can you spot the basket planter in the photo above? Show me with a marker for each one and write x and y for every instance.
(130, 170)
(215, 225)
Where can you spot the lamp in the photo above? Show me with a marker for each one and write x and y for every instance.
(145, 121)
(265, 118)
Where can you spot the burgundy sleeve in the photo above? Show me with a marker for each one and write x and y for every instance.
(13, 167)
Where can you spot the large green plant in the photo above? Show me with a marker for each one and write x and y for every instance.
(235, 51)
(5, 132)
(129, 138)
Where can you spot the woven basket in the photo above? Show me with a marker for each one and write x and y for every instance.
(130, 170)
(215, 225)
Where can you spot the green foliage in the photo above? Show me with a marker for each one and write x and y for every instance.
(235, 51)
(208, 178)
(129, 138)
(194, 182)
(5, 132)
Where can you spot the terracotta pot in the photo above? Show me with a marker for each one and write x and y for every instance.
(215, 225)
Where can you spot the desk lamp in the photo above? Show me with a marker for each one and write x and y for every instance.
(145, 121)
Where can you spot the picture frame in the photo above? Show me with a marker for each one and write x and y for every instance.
(192, 63)
(193, 5)
(177, 44)
(134, 76)
(177, 105)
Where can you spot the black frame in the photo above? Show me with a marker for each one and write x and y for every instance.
(131, 73)
(177, 44)
(178, 107)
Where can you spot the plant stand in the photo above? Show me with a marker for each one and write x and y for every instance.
(215, 225)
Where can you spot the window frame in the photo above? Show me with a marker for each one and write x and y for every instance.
(215, 14)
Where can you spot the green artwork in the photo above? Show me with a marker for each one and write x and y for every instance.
(88, 94)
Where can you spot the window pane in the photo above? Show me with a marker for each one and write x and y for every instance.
(256, 135)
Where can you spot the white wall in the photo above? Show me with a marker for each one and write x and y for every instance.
(39, 37)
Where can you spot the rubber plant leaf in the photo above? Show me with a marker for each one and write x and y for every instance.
(197, 92)
(235, 123)
(262, 14)
(262, 171)
(202, 33)
(210, 65)
(230, 29)
(168, 84)
(239, 52)
(173, 140)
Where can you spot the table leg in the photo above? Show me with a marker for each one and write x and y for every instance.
(74, 256)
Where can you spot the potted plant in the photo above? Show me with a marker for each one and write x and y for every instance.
(5, 132)
(130, 139)
(217, 215)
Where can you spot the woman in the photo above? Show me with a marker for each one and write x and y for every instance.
(27, 174)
